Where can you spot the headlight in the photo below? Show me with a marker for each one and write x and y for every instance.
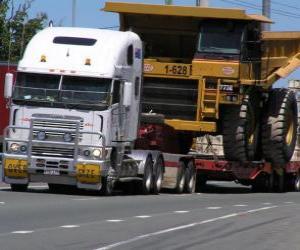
(41, 135)
(97, 153)
(67, 137)
(14, 147)
(87, 153)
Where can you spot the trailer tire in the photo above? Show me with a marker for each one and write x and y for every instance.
(279, 126)
(146, 184)
(19, 187)
(297, 183)
(201, 181)
(240, 125)
(158, 176)
(180, 183)
(190, 178)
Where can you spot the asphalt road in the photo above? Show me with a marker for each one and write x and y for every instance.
(227, 216)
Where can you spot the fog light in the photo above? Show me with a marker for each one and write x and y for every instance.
(67, 137)
(23, 148)
(41, 135)
(14, 147)
(86, 153)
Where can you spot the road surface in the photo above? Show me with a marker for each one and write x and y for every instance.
(227, 216)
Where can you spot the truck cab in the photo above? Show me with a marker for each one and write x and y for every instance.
(75, 93)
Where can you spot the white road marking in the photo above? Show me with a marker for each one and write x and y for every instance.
(114, 220)
(172, 229)
(289, 202)
(181, 211)
(22, 232)
(267, 203)
(69, 226)
(213, 208)
(2, 203)
(240, 205)
(143, 216)
(86, 199)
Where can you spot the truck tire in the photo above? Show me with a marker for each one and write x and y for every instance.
(180, 183)
(201, 181)
(240, 126)
(107, 186)
(190, 178)
(279, 126)
(158, 175)
(19, 187)
(297, 183)
(146, 184)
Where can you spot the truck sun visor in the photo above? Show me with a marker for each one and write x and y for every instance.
(74, 40)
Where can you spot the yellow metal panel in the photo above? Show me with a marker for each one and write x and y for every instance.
(88, 173)
(186, 11)
(196, 126)
(221, 69)
(152, 67)
(282, 35)
(16, 168)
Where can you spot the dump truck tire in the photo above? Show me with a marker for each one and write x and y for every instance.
(279, 126)
(241, 130)
(19, 187)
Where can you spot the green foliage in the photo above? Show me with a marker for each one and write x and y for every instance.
(16, 28)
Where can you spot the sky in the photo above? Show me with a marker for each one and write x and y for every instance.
(285, 14)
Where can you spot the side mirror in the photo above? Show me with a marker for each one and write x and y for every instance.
(127, 94)
(8, 85)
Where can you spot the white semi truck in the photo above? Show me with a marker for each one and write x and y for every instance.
(74, 113)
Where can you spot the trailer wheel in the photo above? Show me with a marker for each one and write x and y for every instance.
(107, 186)
(158, 176)
(297, 183)
(19, 187)
(279, 126)
(180, 178)
(240, 126)
(190, 178)
(146, 184)
(201, 181)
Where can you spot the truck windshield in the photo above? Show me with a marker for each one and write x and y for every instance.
(62, 91)
(220, 38)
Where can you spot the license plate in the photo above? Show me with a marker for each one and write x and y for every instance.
(88, 173)
(51, 172)
(15, 168)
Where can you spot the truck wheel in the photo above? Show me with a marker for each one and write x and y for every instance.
(241, 130)
(190, 178)
(158, 176)
(18, 187)
(107, 186)
(180, 178)
(55, 188)
(147, 182)
(279, 126)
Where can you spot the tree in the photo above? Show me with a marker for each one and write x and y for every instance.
(16, 28)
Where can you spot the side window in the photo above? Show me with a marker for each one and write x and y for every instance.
(136, 86)
(130, 55)
(116, 92)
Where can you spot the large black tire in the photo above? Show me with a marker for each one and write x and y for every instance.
(180, 183)
(19, 187)
(146, 184)
(158, 175)
(240, 126)
(190, 178)
(279, 126)
(107, 186)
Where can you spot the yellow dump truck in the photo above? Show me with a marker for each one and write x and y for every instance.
(211, 71)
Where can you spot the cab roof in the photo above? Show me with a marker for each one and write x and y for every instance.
(182, 11)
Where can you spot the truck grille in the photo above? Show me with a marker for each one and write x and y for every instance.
(52, 151)
(70, 125)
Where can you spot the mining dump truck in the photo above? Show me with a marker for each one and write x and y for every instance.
(211, 71)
